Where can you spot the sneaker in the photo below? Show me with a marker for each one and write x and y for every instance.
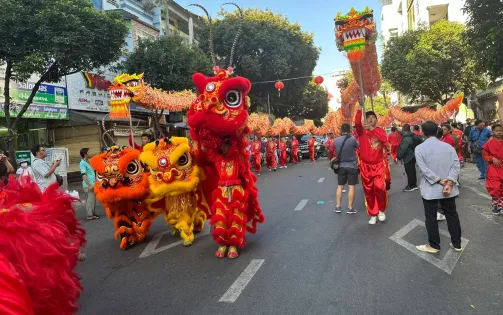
(381, 216)
(373, 220)
(274, 169)
(351, 211)
(440, 216)
(344, 190)
(286, 166)
(496, 210)
(457, 249)
(337, 210)
(408, 188)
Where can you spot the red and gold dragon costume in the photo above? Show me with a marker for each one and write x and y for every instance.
(355, 34)
(122, 186)
(218, 126)
(40, 239)
(175, 186)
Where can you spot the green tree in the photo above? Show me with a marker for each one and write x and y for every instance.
(168, 63)
(485, 34)
(380, 106)
(313, 103)
(270, 48)
(54, 38)
(394, 67)
(432, 63)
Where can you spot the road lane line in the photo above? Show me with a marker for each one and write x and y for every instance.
(321, 180)
(241, 282)
(301, 205)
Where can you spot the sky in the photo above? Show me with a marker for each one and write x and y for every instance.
(314, 16)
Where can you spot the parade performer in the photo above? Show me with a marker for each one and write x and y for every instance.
(493, 154)
(270, 155)
(373, 142)
(330, 146)
(175, 186)
(122, 185)
(295, 150)
(457, 134)
(218, 127)
(40, 240)
(282, 154)
(394, 140)
(257, 155)
(310, 147)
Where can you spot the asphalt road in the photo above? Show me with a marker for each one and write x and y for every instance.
(310, 261)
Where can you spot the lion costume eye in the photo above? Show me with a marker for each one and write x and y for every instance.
(183, 161)
(163, 162)
(233, 98)
(99, 176)
(132, 168)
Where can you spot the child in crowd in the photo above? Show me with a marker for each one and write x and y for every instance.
(493, 154)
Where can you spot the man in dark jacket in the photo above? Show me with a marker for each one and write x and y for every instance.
(406, 154)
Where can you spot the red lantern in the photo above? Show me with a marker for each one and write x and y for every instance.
(279, 86)
(318, 80)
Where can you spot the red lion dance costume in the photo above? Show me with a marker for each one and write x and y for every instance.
(40, 239)
(218, 125)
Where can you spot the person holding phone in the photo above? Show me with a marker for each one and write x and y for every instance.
(43, 171)
(5, 161)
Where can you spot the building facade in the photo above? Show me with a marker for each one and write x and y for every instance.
(399, 16)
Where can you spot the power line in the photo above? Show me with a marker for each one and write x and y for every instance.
(290, 79)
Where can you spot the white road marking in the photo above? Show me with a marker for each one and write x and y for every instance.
(241, 282)
(321, 180)
(486, 212)
(301, 205)
(478, 192)
(152, 249)
(450, 259)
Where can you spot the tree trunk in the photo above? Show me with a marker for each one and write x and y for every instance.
(11, 133)
(384, 96)
(161, 132)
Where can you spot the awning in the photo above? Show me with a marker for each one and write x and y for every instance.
(92, 117)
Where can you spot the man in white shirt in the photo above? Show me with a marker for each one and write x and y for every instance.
(43, 171)
(440, 167)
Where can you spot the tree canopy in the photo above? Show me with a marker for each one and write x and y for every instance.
(54, 38)
(432, 64)
(485, 34)
(168, 63)
(270, 48)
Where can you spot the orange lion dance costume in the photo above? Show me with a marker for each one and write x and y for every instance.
(218, 126)
(122, 185)
(40, 239)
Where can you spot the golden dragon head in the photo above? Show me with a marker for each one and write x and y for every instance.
(125, 88)
(354, 31)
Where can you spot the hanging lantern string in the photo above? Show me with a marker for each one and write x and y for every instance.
(290, 79)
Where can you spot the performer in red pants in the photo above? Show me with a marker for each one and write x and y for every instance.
(282, 154)
(257, 157)
(373, 142)
(330, 146)
(493, 154)
(394, 140)
(295, 150)
(310, 147)
(270, 155)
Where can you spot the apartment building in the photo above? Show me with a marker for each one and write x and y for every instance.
(398, 16)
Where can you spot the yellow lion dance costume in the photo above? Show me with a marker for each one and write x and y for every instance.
(175, 179)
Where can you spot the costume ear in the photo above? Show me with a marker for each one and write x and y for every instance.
(200, 81)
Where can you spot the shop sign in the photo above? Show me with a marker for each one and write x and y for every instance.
(96, 81)
(23, 156)
(126, 131)
(50, 101)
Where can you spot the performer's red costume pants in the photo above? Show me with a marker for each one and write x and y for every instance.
(394, 151)
(257, 162)
(270, 160)
(331, 154)
(283, 159)
(374, 187)
(295, 158)
(229, 218)
(311, 153)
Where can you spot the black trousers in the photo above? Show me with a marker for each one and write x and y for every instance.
(410, 170)
(453, 225)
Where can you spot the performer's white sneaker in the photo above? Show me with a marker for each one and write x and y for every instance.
(381, 216)
(373, 220)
